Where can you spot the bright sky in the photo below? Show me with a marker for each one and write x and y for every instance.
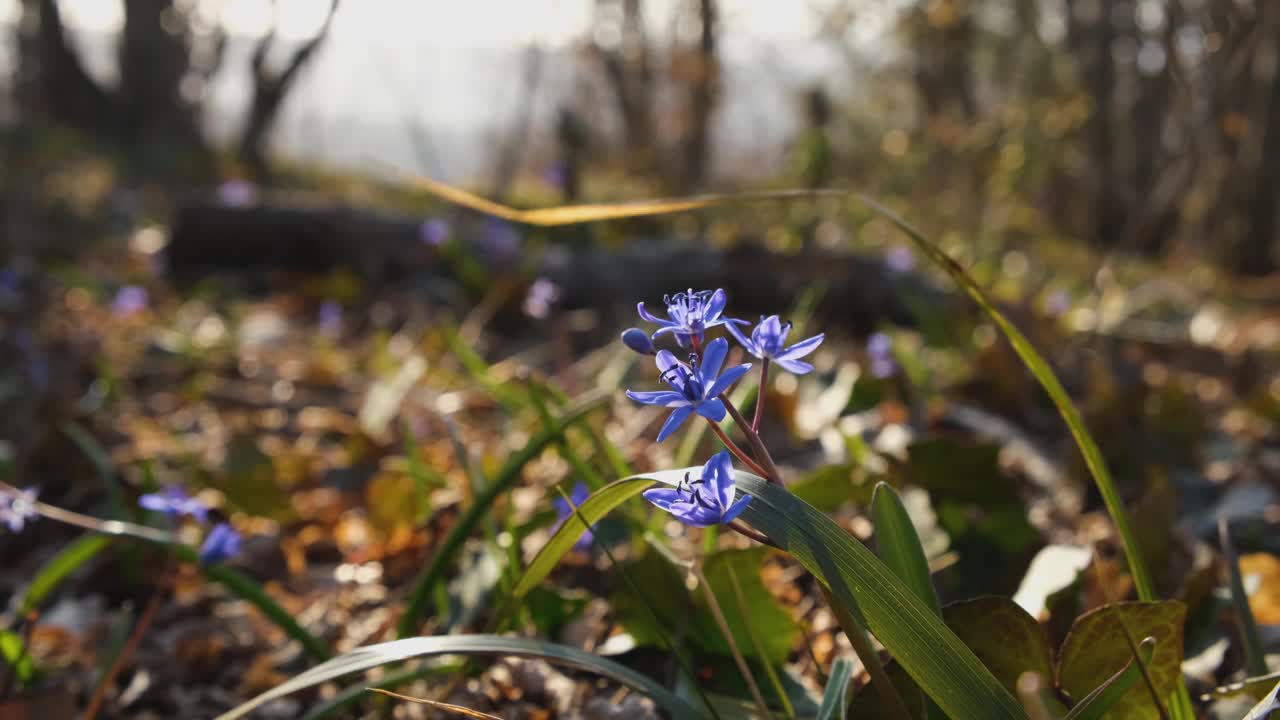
(475, 23)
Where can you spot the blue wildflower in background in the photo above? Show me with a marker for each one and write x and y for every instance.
(689, 315)
(638, 340)
(221, 543)
(767, 340)
(433, 232)
(541, 296)
(564, 510)
(330, 320)
(175, 503)
(706, 501)
(695, 388)
(900, 259)
(880, 351)
(129, 300)
(17, 507)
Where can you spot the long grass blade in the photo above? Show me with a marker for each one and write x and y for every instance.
(373, 656)
(835, 697)
(60, 566)
(1255, 660)
(899, 546)
(506, 478)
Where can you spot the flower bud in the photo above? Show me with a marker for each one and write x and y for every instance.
(637, 340)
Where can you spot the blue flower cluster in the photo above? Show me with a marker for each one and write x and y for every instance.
(17, 507)
(698, 386)
(220, 543)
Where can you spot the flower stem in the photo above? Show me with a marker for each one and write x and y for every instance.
(750, 532)
(770, 471)
(733, 448)
(760, 393)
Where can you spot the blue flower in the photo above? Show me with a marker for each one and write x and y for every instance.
(707, 501)
(564, 510)
(638, 340)
(880, 351)
(433, 232)
(767, 340)
(17, 507)
(174, 502)
(129, 300)
(221, 543)
(689, 315)
(695, 388)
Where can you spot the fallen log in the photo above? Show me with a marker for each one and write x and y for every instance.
(383, 246)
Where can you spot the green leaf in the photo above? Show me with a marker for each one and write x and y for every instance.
(927, 649)
(59, 567)
(763, 615)
(14, 653)
(506, 478)
(835, 698)
(1007, 640)
(1097, 648)
(395, 651)
(899, 547)
(1099, 702)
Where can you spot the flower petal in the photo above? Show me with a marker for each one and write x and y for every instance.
(715, 305)
(695, 514)
(648, 317)
(663, 497)
(735, 510)
(665, 398)
(730, 376)
(711, 361)
(665, 361)
(796, 367)
(718, 475)
(802, 348)
(747, 343)
(712, 409)
(673, 422)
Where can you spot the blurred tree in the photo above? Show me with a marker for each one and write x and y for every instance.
(165, 59)
(270, 87)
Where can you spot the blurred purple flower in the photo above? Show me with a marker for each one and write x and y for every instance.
(330, 320)
(704, 502)
(237, 193)
(564, 510)
(900, 259)
(221, 543)
(1057, 303)
(17, 507)
(541, 296)
(500, 242)
(433, 232)
(174, 502)
(880, 352)
(129, 300)
(555, 174)
(10, 286)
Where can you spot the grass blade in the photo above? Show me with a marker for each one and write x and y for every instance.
(102, 462)
(593, 509)
(1097, 703)
(835, 698)
(1255, 660)
(1268, 705)
(502, 482)
(356, 693)
(249, 591)
(899, 547)
(61, 565)
(395, 651)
